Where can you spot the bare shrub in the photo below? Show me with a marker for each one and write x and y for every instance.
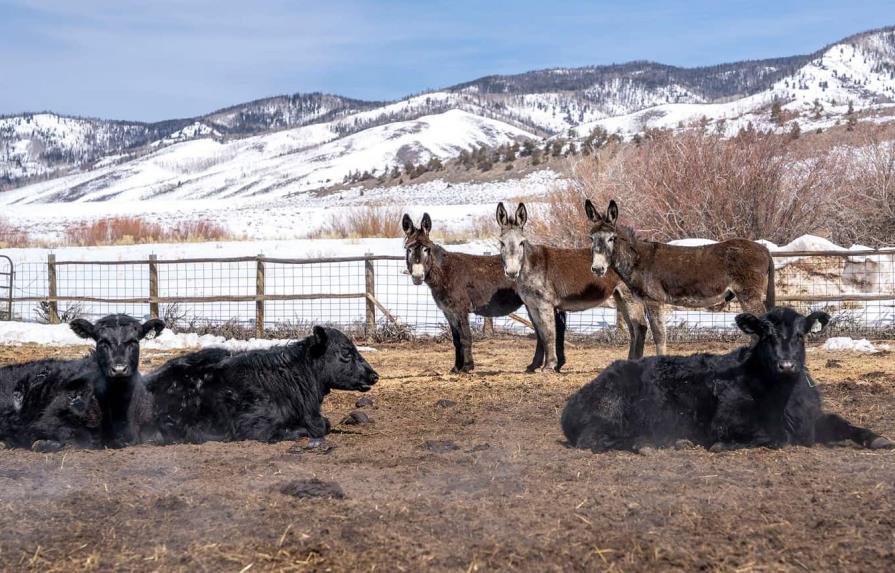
(868, 213)
(695, 184)
(65, 314)
(361, 223)
(136, 230)
(480, 227)
(11, 236)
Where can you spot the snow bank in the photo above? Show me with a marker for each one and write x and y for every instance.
(17, 333)
(847, 344)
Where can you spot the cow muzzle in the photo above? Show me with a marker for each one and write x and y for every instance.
(119, 370)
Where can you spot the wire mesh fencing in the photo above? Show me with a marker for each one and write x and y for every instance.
(259, 296)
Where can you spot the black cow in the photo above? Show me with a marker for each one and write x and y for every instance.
(96, 400)
(124, 402)
(49, 404)
(264, 395)
(758, 395)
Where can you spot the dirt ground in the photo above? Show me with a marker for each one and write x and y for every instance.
(479, 483)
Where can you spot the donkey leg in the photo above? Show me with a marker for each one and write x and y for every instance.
(544, 320)
(657, 325)
(538, 359)
(458, 350)
(832, 428)
(465, 360)
(635, 320)
(751, 302)
(560, 320)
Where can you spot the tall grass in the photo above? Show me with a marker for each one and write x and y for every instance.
(12, 236)
(364, 222)
(136, 230)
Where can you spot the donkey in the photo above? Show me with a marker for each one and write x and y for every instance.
(696, 277)
(551, 280)
(463, 284)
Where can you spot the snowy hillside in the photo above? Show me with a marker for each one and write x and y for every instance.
(287, 144)
(283, 163)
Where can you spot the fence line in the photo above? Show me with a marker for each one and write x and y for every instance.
(370, 291)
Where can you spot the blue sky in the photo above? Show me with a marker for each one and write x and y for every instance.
(159, 59)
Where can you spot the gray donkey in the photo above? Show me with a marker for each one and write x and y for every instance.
(550, 279)
(697, 277)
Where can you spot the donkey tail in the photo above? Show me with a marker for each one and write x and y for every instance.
(770, 300)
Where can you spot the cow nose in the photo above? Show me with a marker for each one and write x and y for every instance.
(786, 366)
(119, 369)
(598, 270)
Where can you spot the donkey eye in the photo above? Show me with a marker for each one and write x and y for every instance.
(611, 239)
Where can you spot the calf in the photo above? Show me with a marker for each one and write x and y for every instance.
(758, 395)
(117, 385)
(264, 395)
(49, 404)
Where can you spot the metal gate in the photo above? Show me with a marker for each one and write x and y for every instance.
(7, 277)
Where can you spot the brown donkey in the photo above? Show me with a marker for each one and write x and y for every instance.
(462, 284)
(550, 279)
(698, 277)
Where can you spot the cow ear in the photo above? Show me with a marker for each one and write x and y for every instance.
(521, 215)
(612, 212)
(503, 219)
(426, 224)
(407, 225)
(751, 324)
(816, 322)
(321, 338)
(83, 328)
(591, 211)
(154, 326)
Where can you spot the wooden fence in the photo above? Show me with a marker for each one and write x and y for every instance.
(147, 283)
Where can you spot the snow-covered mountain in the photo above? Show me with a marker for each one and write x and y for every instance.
(288, 144)
(272, 165)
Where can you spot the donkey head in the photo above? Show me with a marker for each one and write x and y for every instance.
(418, 247)
(512, 239)
(602, 235)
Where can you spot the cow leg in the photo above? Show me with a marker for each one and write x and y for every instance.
(832, 428)
(466, 364)
(635, 321)
(547, 329)
(657, 325)
(560, 320)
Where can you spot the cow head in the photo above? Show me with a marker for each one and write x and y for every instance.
(779, 342)
(603, 235)
(339, 365)
(512, 239)
(418, 247)
(117, 339)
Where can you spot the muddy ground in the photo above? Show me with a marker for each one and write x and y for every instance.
(479, 483)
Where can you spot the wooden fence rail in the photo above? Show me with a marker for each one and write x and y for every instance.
(371, 304)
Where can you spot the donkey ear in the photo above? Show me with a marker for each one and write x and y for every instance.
(503, 219)
(83, 328)
(521, 215)
(814, 319)
(407, 225)
(612, 212)
(591, 211)
(751, 324)
(426, 224)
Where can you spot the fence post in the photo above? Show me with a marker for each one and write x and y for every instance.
(370, 290)
(488, 325)
(53, 304)
(153, 286)
(259, 298)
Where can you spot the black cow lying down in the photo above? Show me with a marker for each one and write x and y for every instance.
(98, 400)
(758, 395)
(49, 404)
(264, 395)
